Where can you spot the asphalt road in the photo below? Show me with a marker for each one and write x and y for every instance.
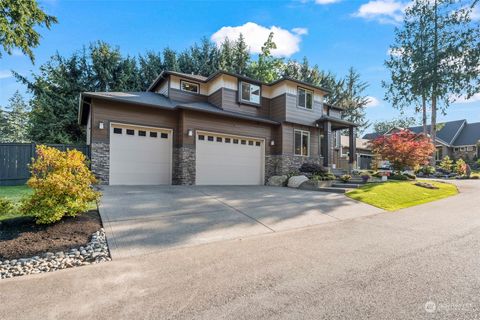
(418, 263)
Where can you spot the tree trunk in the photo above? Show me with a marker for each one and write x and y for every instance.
(433, 127)
(435, 81)
(424, 116)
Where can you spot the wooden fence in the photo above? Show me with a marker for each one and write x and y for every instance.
(15, 158)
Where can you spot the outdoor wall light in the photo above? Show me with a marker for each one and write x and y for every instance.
(190, 132)
(101, 125)
(272, 142)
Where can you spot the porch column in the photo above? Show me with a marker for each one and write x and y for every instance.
(352, 147)
(327, 145)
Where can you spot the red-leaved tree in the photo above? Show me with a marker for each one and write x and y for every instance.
(404, 149)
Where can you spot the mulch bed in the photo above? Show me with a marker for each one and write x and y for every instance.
(22, 238)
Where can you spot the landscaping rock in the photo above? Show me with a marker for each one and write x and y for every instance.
(60, 260)
(277, 181)
(296, 181)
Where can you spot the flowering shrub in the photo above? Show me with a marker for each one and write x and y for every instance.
(61, 183)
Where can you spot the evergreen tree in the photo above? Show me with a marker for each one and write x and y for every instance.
(170, 60)
(241, 56)
(267, 68)
(150, 66)
(15, 121)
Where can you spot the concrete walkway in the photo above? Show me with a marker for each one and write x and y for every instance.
(145, 219)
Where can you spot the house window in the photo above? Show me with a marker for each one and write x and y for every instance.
(219, 139)
(305, 98)
(302, 143)
(250, 143)
(130, 132)
(164, 135)
(257, 144)
(201, 137)
(153, 134)
(117, 130)
(249, 92)
(142, 133)
(189, 86)
(470, 148)
(227, 140)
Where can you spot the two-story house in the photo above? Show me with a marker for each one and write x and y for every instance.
(224, 129)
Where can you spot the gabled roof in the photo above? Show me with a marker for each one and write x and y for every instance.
(470, 135)
(203, 79)
(156, 100)
(447, 132)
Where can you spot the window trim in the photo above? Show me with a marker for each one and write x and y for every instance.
(248, 102)
(298, 98)
(190, 82)
(301, 142)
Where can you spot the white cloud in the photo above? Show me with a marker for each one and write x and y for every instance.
(383, 11)
(373, 102)
(326, 1)
(288, 42)
(4, 74)
(474, 98)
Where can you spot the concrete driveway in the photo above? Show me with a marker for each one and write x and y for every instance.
(143, 219)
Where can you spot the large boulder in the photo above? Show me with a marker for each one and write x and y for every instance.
(277, 181)
(296, 181)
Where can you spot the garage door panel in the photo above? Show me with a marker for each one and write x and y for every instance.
(140, 160)
(223, 163)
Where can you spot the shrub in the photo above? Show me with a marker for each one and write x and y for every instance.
(410, 176)
(345, 178)
(365, 176)
(313, 168)
(461, 167)
(325, 177)
(61, 183)
(426, 170)
(446, 164)
(400, 177)
(475, 177)
(6, 206)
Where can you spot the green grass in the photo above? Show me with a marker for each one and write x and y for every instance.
(395, 195)
(16, 193)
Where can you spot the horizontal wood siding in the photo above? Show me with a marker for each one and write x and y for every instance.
(216, 98)
(182, 96)
(207, 122)
(299, 115)
(107, 112)
(288, 138)
(230, 103)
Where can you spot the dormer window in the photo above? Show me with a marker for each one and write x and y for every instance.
(249, 93)
(189, 86)
(305, 98)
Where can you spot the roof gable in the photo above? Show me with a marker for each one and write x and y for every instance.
(470, 135)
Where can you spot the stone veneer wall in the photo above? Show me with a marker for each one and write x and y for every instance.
(184, 166)
(100, 163)
(465, 155)
(285, 164)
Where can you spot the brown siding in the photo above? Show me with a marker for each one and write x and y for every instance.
(277, 108)
(302, 116)
(182, 96)
(201, 121)
(216, 98)
(107, 112)
(230, 103)
(288, 138)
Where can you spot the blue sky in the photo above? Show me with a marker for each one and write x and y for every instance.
(335, 34)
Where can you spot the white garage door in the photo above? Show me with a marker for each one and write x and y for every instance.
(228, 160)
(140, 155)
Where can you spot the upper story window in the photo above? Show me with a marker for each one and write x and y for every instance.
(302, 143)
(249, 93)
(189, 86)
(305, 98)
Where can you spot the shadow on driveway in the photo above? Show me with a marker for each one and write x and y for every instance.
(144, 219)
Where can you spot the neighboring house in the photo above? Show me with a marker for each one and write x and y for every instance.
(364, 155)
(218, 130)
(457, 139)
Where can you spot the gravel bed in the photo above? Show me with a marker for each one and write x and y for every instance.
(95, 251)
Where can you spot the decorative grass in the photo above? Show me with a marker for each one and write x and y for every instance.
(395, 195)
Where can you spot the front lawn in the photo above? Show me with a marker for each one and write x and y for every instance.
(395, 195)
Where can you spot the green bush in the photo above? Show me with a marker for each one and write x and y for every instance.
(345, 178)
(6, 206)
(313, 168)
(426, 170)
(410, 176)
(400, 177)
(446, 164)
(461, 167)
(325, 177)
(61, 183)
